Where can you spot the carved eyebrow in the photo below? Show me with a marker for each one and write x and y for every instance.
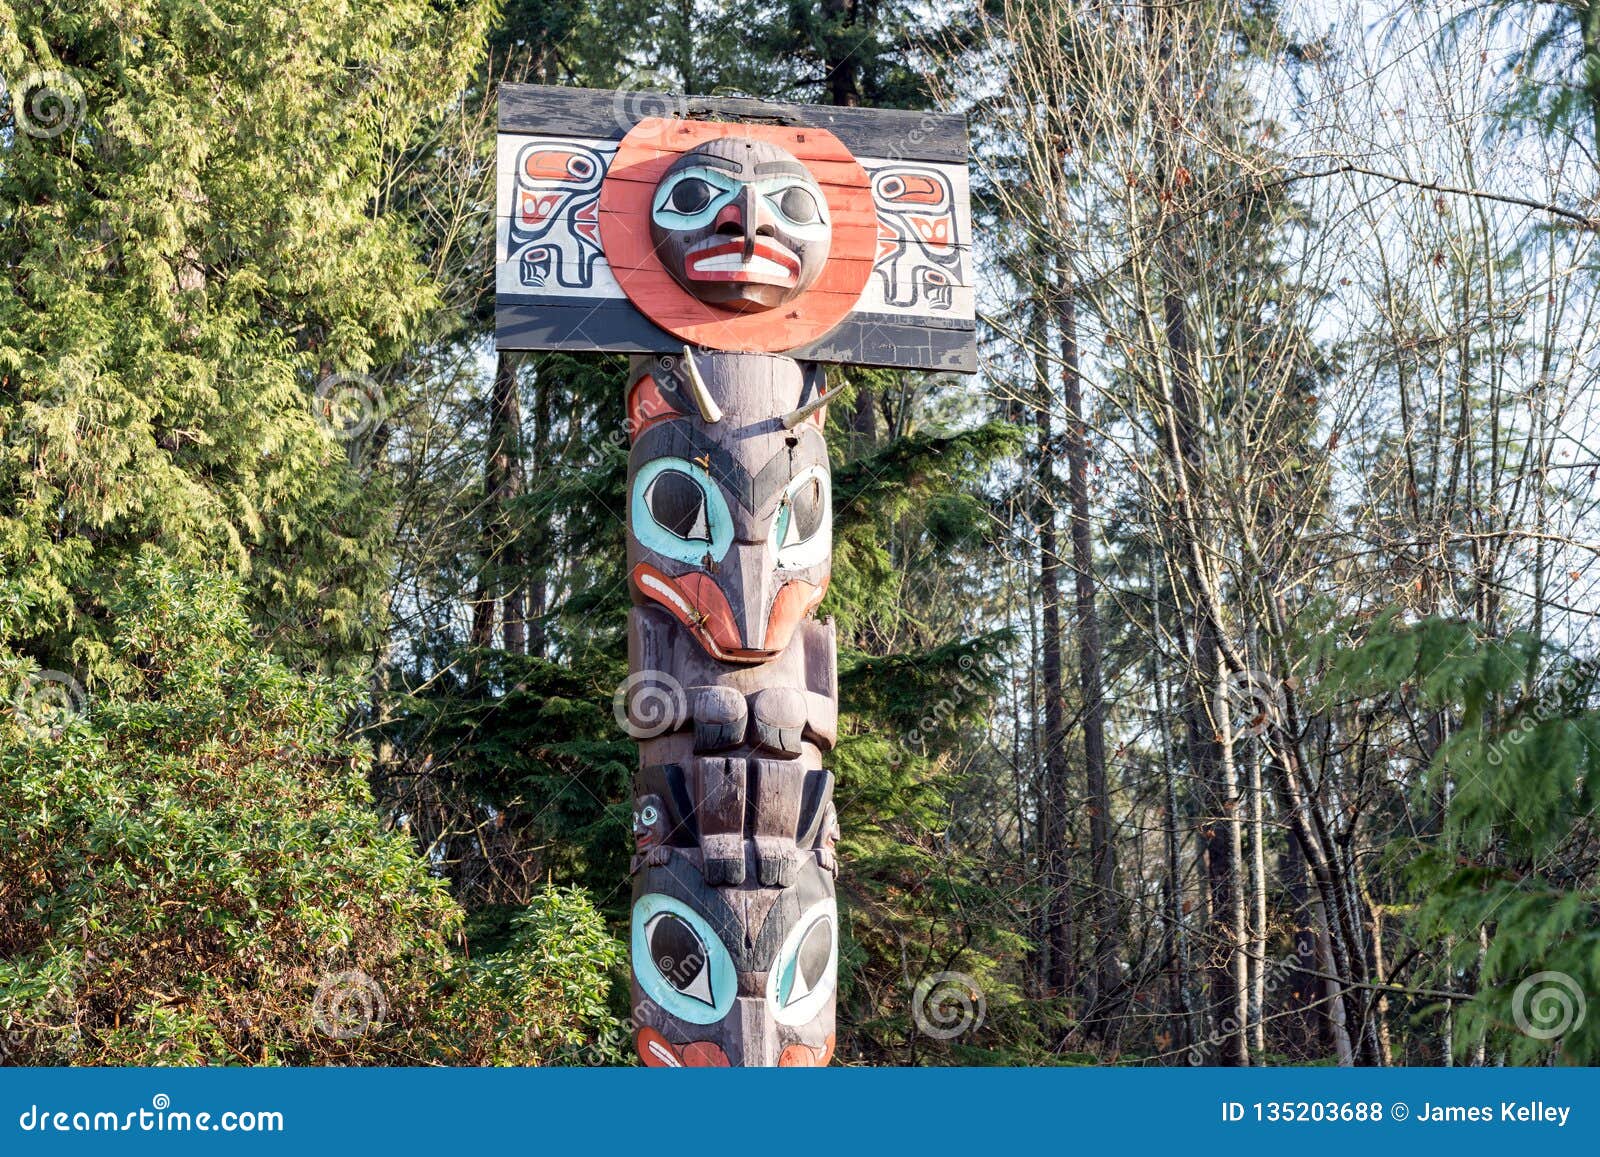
(712, 161)
(680, 439)
(782, 169)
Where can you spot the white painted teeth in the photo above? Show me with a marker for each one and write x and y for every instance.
(733, 262)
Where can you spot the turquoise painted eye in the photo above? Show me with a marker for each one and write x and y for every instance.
(678, 504)
(677, 511)
(807, 966)
(691, 199)
(691, 196)
(680, 962)
(799, 207)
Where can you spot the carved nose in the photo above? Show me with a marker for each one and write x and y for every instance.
(746, 578)
(758, 1035)
(743, 217)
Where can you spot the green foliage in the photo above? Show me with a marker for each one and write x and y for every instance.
(544, 996)
(913, 497)
(188, 259)
(1554, 67)
(1520, 772)
(861, 52)
(191, 873)
(549, 752)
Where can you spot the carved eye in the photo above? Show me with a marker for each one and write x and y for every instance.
(677, 511)
(806, 506)
(807, 966)
(649, 815)
(679, 505)
(679, 960)
(680, 957)
(800, 535)
(691, 195)
(799, 205)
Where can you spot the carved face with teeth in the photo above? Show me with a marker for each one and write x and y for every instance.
(741, 224)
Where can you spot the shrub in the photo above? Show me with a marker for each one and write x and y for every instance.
(191, 873)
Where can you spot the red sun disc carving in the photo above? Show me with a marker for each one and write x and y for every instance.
(646, 153)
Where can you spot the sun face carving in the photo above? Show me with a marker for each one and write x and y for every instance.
(741, 224)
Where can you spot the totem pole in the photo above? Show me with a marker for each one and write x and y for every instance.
(734, 248)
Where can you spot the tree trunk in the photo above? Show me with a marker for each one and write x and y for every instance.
(1177, 932)
(502, 484)
(1059, 973)
(1258, 910)
(1304, 984)
(1105, 976)
(1333, 991)
(844, 65)
(538, 565)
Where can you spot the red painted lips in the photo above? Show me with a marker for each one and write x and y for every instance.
(769, 263)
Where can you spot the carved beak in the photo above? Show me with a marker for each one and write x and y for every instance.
(766, 606)
(754, 632)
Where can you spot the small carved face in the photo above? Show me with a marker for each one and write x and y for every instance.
(649, 823)
(741, 224)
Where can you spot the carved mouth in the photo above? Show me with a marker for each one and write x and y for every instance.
(717, 260)
(660, 1053)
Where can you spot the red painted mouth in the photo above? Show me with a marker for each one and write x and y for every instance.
(698, 603)
(716, 260)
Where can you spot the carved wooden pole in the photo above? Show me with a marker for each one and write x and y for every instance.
(732, 259)
(735, 933)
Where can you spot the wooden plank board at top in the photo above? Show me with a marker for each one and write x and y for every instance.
(605, 114)
(616, 327)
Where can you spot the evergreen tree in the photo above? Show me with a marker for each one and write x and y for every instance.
(205, 284)
(1509, 883)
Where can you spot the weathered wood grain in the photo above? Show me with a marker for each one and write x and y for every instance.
(533, 323)
(608, 115)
